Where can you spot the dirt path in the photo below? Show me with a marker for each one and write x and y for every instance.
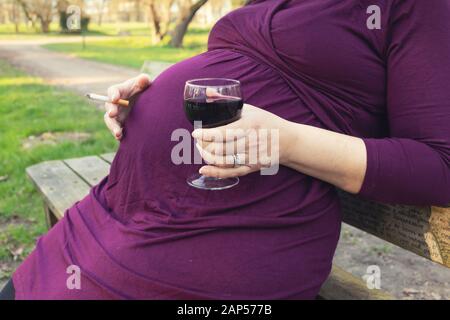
(403, 274)
(64, 70)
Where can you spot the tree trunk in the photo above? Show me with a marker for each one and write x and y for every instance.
(179, 32)
(160, 18)
(100, 14)
(168, 19)
(137, 9)
(156, 22)
(182, 26)
(15, 17)
(25, 10)
(45, 26)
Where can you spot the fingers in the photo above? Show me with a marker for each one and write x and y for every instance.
(135, 85)
(122, 114)
(211, 93)
(112, 109)
(115, 115)
(114, 93)
(230, 132)
(128, 88)
(142, 82)
(224, 161)
(214, 94)
(117, 112)
(113, 126)
(216, 172)
(240, 146)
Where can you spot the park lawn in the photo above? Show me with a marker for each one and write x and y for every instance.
(8, 30)
(29, 108)
(126, 44)
(132, 51)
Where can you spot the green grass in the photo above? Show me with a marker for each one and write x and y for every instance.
(108, 29)
(29, 107)
(111, 29)
(132, 51)
(126, 44)
(8, 32)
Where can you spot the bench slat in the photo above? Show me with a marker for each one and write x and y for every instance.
(59, 185)
(108, 157)
(155, 68)
(342, 285)
(422, 230)
(91, 169)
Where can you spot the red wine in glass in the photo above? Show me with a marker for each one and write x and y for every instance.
(212, 102)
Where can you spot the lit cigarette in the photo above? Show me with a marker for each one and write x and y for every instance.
(97, 97)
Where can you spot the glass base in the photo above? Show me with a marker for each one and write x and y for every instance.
(207, 183)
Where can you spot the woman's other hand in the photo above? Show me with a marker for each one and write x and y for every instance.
(115, 114)
(330, 156)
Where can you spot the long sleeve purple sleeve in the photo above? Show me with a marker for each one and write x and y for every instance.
(413, 165)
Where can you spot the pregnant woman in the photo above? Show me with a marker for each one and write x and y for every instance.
(366, 110)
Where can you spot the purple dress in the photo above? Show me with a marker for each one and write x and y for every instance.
(144, 233)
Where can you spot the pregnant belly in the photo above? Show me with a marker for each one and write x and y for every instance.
(270, 236)
(145, 168)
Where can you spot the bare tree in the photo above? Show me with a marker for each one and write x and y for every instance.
(101, 5)
(188, 9)
(15, 17)
(38, 10)
(137, 10)
(3, 12)
(161, 17)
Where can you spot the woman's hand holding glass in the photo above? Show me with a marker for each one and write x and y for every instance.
(254, 142)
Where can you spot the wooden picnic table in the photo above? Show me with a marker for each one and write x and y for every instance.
(422, 230)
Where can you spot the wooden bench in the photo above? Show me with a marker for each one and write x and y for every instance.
(422, 230)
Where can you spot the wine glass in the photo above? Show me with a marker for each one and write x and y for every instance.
(211, 103)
